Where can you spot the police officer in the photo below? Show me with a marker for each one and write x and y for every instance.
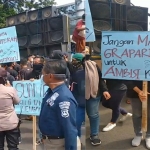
(57, 120)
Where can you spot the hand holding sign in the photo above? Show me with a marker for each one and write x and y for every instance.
(142, 96)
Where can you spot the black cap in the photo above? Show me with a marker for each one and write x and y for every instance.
(57, 54)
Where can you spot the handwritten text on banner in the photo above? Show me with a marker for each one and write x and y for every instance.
(31, 95)
(126, 55)
(90, 35)
(9, 49)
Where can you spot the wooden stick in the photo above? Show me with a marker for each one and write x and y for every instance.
(34, 132)
(144, 108)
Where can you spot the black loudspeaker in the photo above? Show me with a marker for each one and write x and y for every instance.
(22, 34)
(17, 19)
(38, 51)
(23, 53)
(30, 34)
(56, 28)
(35, 33)
(43, 13)
(34, 15)
(135, 18)
(51, 48)
(121, 2)
(30, 26)
(96, 46)
(105, 16)
(48, 12)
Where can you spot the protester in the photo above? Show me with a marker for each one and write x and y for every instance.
(10, 78)
(79, 35)
(76, 62)
(58, 54)
(8, 117)
(25, 71)
(17, 67)
(57, 120)
(136, 96)
(30, 61)
(95, 87)
(117, 90)
(36, 73)
(78, 90)
(10, 69)
(37, 67)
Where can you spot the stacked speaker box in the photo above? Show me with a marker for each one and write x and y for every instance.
(116, 15)
(40, 31)
(134, 18)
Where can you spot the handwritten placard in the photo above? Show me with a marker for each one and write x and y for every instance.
(31, 95)
(126, 55)
(9, 49)
(90, 34)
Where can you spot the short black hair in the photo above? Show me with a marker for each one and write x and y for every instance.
(30, 55)
(23, 61)
(4, 65)
(9, 64)
(83, 16)
(40, 57)
(55, 66)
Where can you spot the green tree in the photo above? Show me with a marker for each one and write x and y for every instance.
(26, 5)
(5, 12)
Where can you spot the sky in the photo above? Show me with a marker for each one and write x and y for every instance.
(62, 2)
(142, 3)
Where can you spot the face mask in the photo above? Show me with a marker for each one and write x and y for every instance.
(62, 76)
(37, 67)
(76, 65)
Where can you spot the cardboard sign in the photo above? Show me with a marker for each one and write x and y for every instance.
(31, 95)
(90, 35)
(126, 55)
(9, 49)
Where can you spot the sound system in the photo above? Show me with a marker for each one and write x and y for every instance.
(116, 15)
(40, 31)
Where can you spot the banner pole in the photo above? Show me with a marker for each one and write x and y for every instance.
(144, 107)
(34, 132)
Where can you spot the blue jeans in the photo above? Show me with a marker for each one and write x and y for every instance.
(92, 110)
(80, 118)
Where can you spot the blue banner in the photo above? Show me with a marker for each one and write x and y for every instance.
(31, 95)
(126, 55)
(9, 49)
(90, 35)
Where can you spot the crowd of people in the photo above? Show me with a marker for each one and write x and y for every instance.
(66, 84)
(75, 87)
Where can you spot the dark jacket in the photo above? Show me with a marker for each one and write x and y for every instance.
(78, 85)
(113, 84)
(102, 85)
(58, 116)
(131, 84)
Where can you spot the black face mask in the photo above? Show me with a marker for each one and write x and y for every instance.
(77, 65)
(37, 67)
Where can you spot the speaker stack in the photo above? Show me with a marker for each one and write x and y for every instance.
(116, 15)
(40, 31)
